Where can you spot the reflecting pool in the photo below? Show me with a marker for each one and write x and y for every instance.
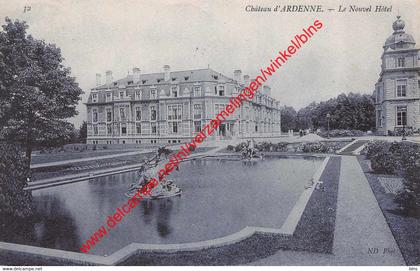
(219, 198)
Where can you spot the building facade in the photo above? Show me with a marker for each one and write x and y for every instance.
(172, 107)
(397, 92)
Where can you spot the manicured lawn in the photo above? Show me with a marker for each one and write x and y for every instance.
(62, 156)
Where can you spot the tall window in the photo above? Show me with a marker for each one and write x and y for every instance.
(197, 126)
(401, 62)
(218, 108)
(109, 129)
(123, 129)
(153, 128)
(401, 115)
(379, 118)
(153, 94)
(121, 94)
(122, 114)
(94, 97)
(94, 115)
(174, 118)
(174, 91)
(95, 129)
(197, 91)
(138, 128)
(174, 112)
(197, 111)
(138, 113)
(401, 88)
(108, 114)
(108, 97)
(153, 112)
(221, 90)
(138, 94)
(173, 127)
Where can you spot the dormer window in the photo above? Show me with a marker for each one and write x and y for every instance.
(215, 77)
(158, 80)
(130, 82)
(115, 83)
(144, 82)
(173, 78)
(186, 78)
(94, 97)
(174, 91)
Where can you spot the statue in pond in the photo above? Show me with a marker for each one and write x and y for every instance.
(148, 170)
(250, 153)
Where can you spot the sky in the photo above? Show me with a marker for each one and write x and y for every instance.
(95, 36)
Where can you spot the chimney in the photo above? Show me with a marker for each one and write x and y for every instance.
(98, 79)
(246, 79)
(136, 75)
(167, 70)
(237, 75)
(109, 77)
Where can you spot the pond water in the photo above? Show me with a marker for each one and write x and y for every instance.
(219, 198)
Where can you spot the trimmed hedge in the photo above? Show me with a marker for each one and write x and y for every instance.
(402, 158)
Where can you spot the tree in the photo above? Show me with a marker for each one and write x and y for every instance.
(37, 93)
(352, 111)
(15, 203)
(288, 118)
(83, 132)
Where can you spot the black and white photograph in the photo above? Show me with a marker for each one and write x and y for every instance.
(256, 134)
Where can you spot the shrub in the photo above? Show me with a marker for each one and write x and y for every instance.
(281, 147)
(14, 171)
(375, 147)
(383, 163)
(264, 147)
(240, 147)
(230, 148)
(404, 156)
(317, 147)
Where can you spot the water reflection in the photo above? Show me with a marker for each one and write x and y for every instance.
(163, 217)
(57, 228)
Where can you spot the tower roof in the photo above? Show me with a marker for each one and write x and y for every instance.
(399, 37)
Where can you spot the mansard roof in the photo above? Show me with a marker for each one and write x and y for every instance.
(177, 76)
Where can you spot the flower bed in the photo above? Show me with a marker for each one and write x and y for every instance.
(306, 147)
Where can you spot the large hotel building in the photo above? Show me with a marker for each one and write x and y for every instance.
(172, 106)
(397, 92)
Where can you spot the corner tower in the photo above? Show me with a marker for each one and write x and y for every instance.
(397, 92)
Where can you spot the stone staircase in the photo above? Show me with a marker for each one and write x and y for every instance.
(351, 148)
